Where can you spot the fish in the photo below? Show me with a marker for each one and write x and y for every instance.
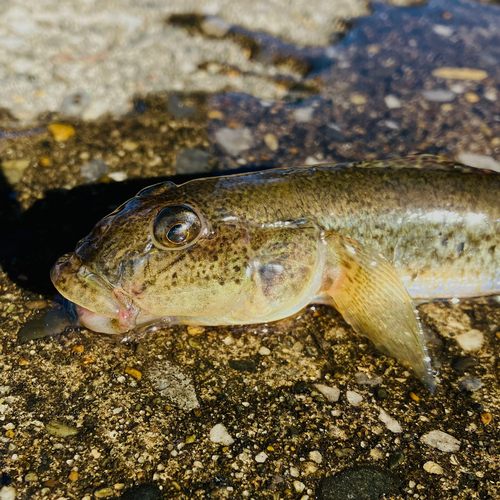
(369, 238)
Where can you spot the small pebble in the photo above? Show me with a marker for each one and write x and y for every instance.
(118, 176)
(315, 456)
(376, 454)
(264, 351)
(195, 330)
(36, 304)
(439, 95)
(479, 161)
(214, 26)
(215, 114)
(261, 457)
(381, 393)
(55, 428)
(94, 170)
(271, 142)
(486, 418)
(354, 398)
(73, 476)
(442, 30)
(414, 397)
(130, 145)
(490, 94)
(471, 384)
(61, 132)
(433, 468)
(104, 493)
(441, 440)
(471, 340)
(391, 423)
(133, 373)
(46, 161)
(332, 394)
(395, 459)
(31, 477)
(460, 74)
(13, 170)
(472, 97)
(299, 486)
(8, 493)
(234, 141)
(358, 99)
(192, 161)
(463, 363)
(303, 115)
(365, 379)
(392, 102)
(219, 434)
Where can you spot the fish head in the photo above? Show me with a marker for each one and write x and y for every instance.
(164, 254)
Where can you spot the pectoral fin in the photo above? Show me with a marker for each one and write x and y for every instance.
(367, 291)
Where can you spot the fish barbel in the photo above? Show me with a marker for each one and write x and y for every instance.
(368, 238)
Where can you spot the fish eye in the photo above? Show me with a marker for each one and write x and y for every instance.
(176, 226)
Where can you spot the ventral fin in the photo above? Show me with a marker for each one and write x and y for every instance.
(368, 293)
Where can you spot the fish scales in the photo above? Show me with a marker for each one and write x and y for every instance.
(257, 247)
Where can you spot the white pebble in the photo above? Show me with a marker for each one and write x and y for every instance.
(442, 30)
(8, 493)
(354, 398)
(433, 468)
(331, 394)
(471, 340)
(479, 161)
(441, 441)
(118, 176)
(391, 423)
(303, 114)
(367, 379)
(234, 141)
(261, 457)
(315, 456)
(264, 351)
(299, 487)
(219, 434)
(439, 95)
(392, 102)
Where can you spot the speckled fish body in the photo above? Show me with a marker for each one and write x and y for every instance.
(364, 237)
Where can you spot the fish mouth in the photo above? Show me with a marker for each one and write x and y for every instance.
(98, 302)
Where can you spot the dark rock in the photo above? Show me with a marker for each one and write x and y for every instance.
(395, 459)
(142, 492)
(463, 363)
(366, 482)
(192, 161)
(5, 479)
(242, 365)
(381, 393)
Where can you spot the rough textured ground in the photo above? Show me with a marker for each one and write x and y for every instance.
(302, 408)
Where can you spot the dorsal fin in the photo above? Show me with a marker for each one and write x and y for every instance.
(424, 162)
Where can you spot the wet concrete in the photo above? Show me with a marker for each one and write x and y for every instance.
(144, 413)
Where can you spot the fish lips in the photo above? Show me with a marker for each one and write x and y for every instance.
(85, 288)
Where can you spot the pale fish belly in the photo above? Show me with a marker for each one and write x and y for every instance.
(441, 287)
